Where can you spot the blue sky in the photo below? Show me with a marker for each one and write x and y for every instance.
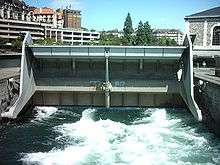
(110, 14)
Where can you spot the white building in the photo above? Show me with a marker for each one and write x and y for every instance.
(70, 36)
(174, 34)
(40, 22)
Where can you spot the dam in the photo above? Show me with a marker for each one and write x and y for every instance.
(105, 76)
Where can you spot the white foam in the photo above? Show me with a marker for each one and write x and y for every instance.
(44, 113)
(106, 142)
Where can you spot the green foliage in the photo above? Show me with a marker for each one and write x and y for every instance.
(128, 31)
(16, 44)
(140, 37)
(144, 35)
(47, 41)
(164, 41)
(91, 42)
(109, 39)
(3, 41)
(150, 39)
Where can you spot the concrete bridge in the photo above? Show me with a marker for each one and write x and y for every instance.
(110, 76)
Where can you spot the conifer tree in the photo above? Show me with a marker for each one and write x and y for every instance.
(149, 37)
(128, 31)
(140, 38)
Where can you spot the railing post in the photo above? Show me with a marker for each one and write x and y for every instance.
(107, 91)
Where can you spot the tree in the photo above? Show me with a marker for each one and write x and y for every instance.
(16, 44)
(165, 41)
(128, 31)
(140, 38)
(173, 42)
(91, 42)
(148, 32)
(109, 39)
(3, 41)
(47, 41)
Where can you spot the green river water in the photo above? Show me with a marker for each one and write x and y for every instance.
(120, 136)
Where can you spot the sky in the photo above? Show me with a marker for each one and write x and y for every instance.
(110, 14)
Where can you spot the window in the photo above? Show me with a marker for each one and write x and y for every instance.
(216, 36)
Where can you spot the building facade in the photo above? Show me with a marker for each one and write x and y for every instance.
(13, 9)
(72, 19)
(71, 37)
(204, 27)
(174, 34)
(46, 15)
(16, 18)
(11, 29)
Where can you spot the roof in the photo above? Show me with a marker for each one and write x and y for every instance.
(44, 10)
(166, 31)
(214, 12)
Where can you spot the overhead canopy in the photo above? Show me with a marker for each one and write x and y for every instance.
(124, 52)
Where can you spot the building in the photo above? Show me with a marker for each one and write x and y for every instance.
(71, 37)
(46, 15)
(13, 9)
(72, 19)
(16, 17)
(174, 34)
(204, 27)
(114, 32)
(11, 29)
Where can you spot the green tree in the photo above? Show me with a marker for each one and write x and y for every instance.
(140, 38)
(47, 41)
(109, 39)
(165, 41)
(16, 44)
(148, 32)
(91, 42)
(128, 31)
(3, 41)
(173, 42)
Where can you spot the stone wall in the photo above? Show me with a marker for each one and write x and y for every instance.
(7, 95)
(207, 97)
(211, 23)
(196, 26)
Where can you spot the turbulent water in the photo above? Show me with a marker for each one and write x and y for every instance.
(66, 136)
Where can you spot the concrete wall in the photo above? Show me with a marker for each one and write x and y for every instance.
(116, 99)
(10, 61)
(217, 66)
(27, 83)
(187, 90)
(87, 72)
